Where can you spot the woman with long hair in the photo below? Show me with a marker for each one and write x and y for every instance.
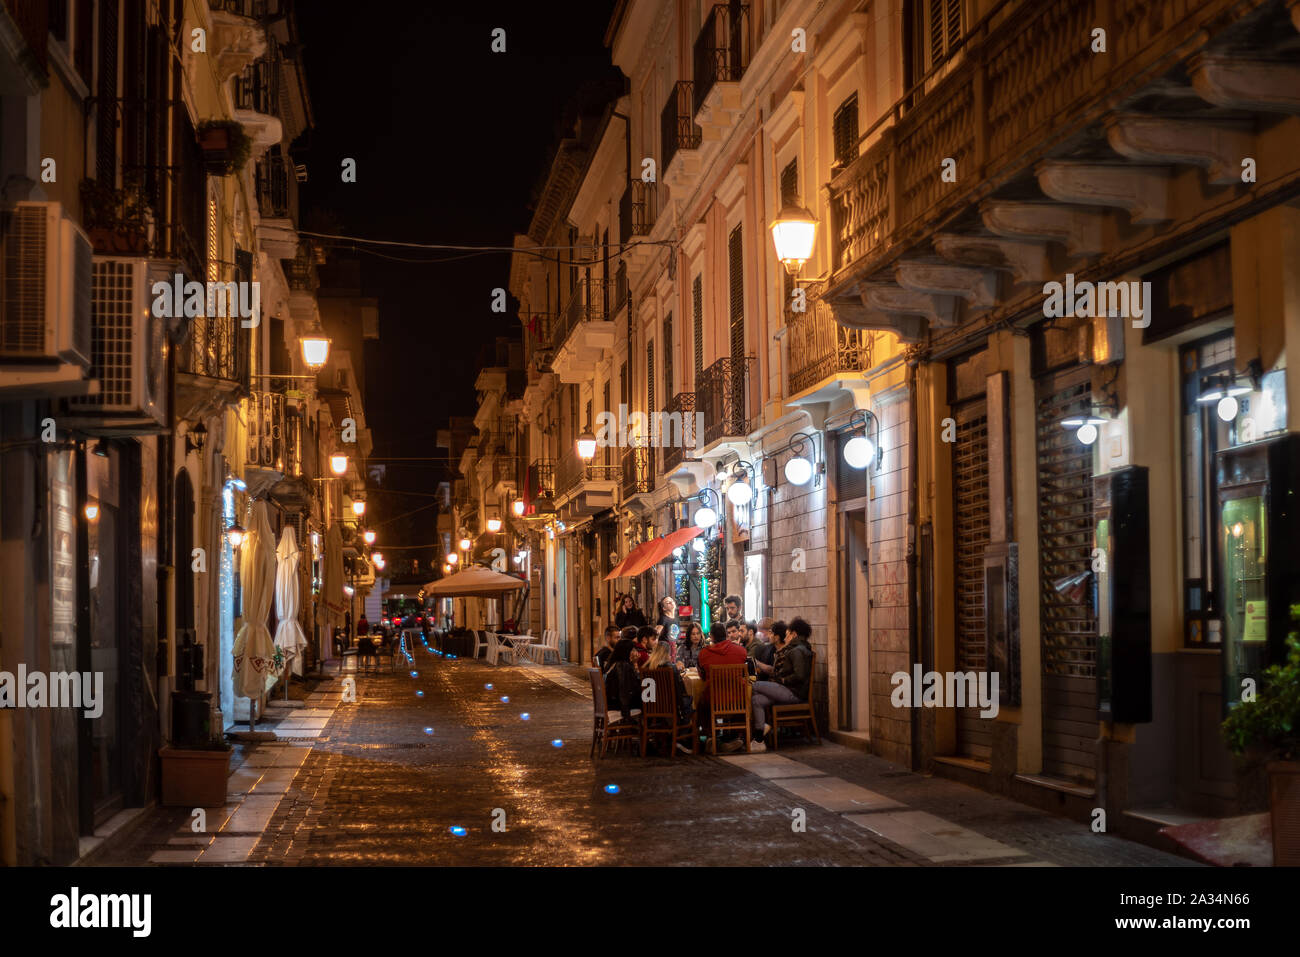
(629, 614)
(689, 645)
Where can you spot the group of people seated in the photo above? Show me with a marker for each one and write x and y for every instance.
(777, 655)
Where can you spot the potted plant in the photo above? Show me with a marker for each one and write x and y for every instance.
(117, 220)
(225, 145)
(1267, 729)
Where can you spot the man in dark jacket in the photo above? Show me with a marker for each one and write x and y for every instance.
(790, 681)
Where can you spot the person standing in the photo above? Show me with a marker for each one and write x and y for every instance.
(629, 615)
(731, 609)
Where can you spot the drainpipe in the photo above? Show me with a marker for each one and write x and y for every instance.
(913, 649)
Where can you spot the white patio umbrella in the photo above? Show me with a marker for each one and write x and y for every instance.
(255, 668)
(288, 633)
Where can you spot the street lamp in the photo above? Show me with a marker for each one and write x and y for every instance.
(466, 544)
(518, 506)
(315, 348)
(793, 234)
(494, 524)
(369, 536)
(1223, 391)
(861, 451)
(338, 463)
(358, 506)
(586, 446)
(378, 559)
(92, 511)
(452, 558)
(740, 492)
(1086, 425)
(235, 535)
(706, 515)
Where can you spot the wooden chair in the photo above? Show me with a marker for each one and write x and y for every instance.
(659, 716)
(729, 698)
(802, 714)
(609, 725)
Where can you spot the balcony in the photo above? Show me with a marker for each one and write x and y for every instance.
(583, 489)
(638, 470)
(824, 357)
(274, 459)
(682, 405)
(585, 332)
(256, 97)
(1049, 170)
(679, 139)
(723, 397)
(276, 232)
(539, 491)
(636, 210)
(721, 56)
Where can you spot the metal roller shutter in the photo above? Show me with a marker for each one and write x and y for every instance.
(970, 469)
(1065, 540)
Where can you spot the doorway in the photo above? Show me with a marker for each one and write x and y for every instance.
(855, 691)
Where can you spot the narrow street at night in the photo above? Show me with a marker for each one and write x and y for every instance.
(668, 461)
(374, 788)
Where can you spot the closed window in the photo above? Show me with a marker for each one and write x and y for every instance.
(844, 131)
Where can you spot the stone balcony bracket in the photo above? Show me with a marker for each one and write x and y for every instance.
(235, 43)
(1028, 262)
(1219, 146)
(939, 308)
(1271, 86)
(977, 286)
(1077, 228)
(1143, 191)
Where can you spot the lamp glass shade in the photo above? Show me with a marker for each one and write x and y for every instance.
(705, 517)
(798, 471)
(315, 350)
(1227, 408)
(465, 544)
(369, 537)
(1087, 433)
(740, 492)
(586, 446)
(359, 507)
(92, 511)
(452, 558)
(338, 463)
(494, 525)
(859, 451)
(793, 234)
(235, 536)
(518, 506)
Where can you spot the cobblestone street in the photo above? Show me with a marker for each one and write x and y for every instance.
(371, 786)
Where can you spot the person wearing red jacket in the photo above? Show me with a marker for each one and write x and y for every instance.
(723, 651)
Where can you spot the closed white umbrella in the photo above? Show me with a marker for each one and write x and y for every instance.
(288, 633)
(256, 665)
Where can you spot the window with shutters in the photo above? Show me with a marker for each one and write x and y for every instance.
(844, 131)
(697, 312)
(668, 359)
(936, 26)
(609, 449)
(736, 271)
(650, 375)
(624, 387)
(790, 183)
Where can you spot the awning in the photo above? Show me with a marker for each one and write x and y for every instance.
(474, 580)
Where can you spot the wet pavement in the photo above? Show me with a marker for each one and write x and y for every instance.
(386, 779)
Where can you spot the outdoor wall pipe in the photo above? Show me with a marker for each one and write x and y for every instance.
(913, 650)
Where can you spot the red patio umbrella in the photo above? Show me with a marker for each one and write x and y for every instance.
(660, 548)
(634, 555)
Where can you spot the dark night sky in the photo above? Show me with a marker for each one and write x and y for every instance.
(450, 140)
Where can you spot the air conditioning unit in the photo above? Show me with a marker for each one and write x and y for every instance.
(45, 292)
(128, 350)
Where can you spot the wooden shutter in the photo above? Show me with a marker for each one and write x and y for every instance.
(970, 480)
(668, 359)
(735, 256)
(697, 309)
(106, 145)
(650, 375)
(790, 183)
(844, 130)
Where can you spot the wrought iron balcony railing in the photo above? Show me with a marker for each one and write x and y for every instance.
(820, 347)
(637, 210)
(638, 470)
(301, 270)
(539, 486)
(722, 395)
(593, 300)
(257, 88)
(677, 127)
(273, 185)
(274, 434)
(682, 405)
(721, 49)
(572, 471)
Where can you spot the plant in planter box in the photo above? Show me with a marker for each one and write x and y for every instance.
(117, 220)
(226, 147)
(1268, 729)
